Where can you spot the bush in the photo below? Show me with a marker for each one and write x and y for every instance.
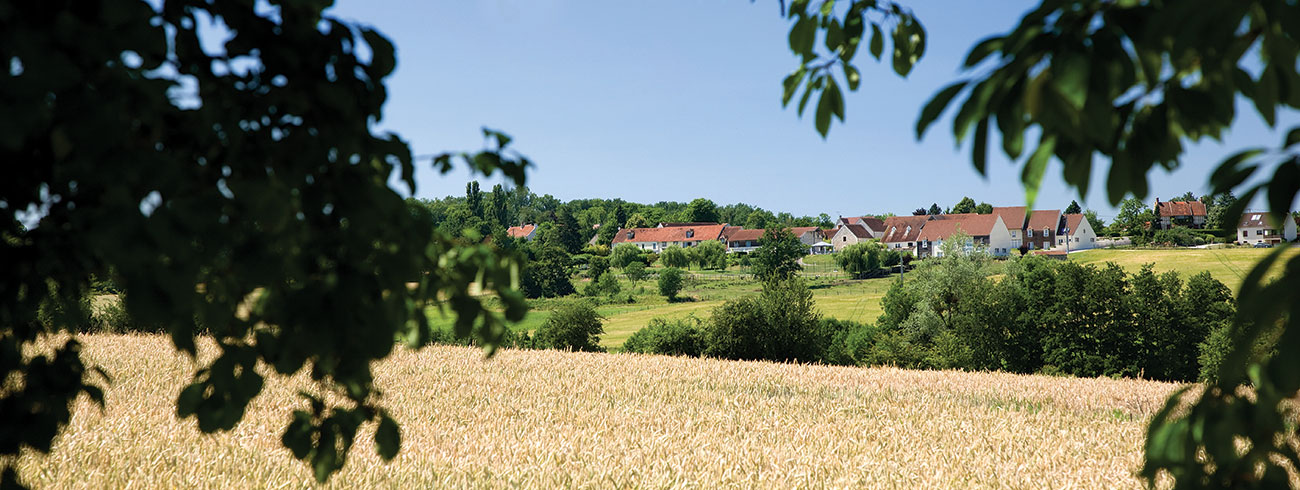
(670, 283)
(842, 339)
(860, 260)
(597, 266)
(605, 285)
(673, 337)
(779, 324)
(624, 254)
(675, 257)
(573, 326)
(635, 272)
(1179, 237)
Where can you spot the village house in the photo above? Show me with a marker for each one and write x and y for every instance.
(1181, 213)
(740, 240)
(873, 224)
(526, 232)
(1041, 227)
(1075, 233)
(1260, 228)
(850, 234)
(901, 232)
(659, 238)
(1014, 218)
(985, 231)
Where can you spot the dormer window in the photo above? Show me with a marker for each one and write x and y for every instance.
(690, 233)
(631, 235)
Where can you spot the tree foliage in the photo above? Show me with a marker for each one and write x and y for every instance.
(860, 259)
(702, 210)
(709, 254)
(965, 205)
(778, 255)
(675, 256)
(670, 282)
(573, 326)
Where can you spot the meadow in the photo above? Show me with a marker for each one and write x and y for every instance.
(1229, 265)
(553, 419)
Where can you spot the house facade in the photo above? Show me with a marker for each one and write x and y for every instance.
(1075, 233)
(1260, 228)
(526, 232)
(659, 238)
(873, 224)
(1179, 213)
(901, 232)
(850, 234)
(985, 231)
(741, 240)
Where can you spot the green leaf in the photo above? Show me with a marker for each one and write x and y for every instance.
(827, 6)
(1265, 98)
(381, 57)
(823, 117)
(802, 35)
(807, 93)
(791, 85)
(836, 97)
(388, 438)
(854, 78)
(1070, 78)
(983, 50)
(979, 152)
(877, 41)
(935, 106)
(1032, 176)
(834, 36)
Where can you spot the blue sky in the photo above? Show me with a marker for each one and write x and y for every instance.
(652, 101)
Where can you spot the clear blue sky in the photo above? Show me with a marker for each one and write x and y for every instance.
(652, 101)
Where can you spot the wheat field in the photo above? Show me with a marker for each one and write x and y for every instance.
(545, 419)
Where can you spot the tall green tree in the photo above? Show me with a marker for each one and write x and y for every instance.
(934, 209)
(965, 205)
(860, 259)
(256, 149)
(702, 210)
(1073, 208)
(984, 208)
(778, 254)
(569, 232)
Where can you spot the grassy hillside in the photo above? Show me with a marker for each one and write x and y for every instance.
(1229, 265)
(546, 419)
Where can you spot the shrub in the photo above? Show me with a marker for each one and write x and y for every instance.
(779, 324)
(860, 260)
(624, 254)
(674, 337)
(838, 336)
(670, 282)
(573, 326)
(597, 266)
(675, 257)
(635, 272)
(605, 285)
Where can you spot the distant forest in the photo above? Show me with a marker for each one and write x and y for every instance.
(488, 211)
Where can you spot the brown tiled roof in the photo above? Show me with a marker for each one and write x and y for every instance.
(1072, 222)
(858, 231)
(1012, 216)
(669, 234)
(828, 233)
(727, 231)
(876, 225)
(1180, 208)
(969, 223)
(520, 231)
(800, 230)
(1045, 218)
(903, 228)
(1255, 220)
(669, 224)
(745, 235)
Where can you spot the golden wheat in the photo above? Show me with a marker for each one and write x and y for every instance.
(553, 419)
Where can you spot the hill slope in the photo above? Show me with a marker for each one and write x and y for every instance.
(549, 419)
(1229, 265)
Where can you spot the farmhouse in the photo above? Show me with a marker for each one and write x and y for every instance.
(526, 232)
(850, 234)
(1260, 228)
(901, 232)
(1037, 229)
(1075, 233)
(1181, 213)
(873, 224)
(986, 231)
(740, 240)
(659, 238)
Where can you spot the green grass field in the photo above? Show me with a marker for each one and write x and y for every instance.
(1229, 265)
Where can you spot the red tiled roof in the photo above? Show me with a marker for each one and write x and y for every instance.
(969, 223)
(745, 235)
(873, 223)
(1256, 220)
(520, 231)
(799, 231)
(1180, 208)
(1072, 222)
(727, 231)
(1012, 216)
(669, 234)
(1045, 219)
(903, 228)
(828, 233)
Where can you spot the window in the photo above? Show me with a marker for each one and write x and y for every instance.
(1259, 232)
(1045, 233)
(1031, 234)
(1245, 233)
(1076, 239)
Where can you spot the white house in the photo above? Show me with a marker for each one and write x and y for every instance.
(1182, 213)
(986, 231)
(901, 232)
(1259, 228)
(740, 240)
(658, 239)
(1076, 233)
